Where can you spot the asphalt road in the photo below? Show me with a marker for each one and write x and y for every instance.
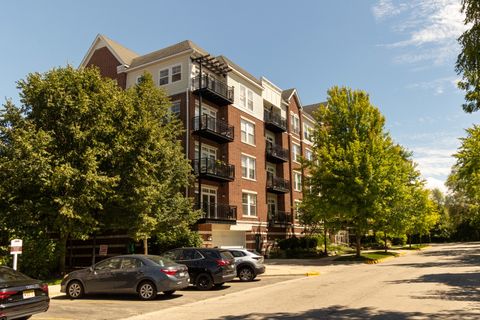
(442, 282)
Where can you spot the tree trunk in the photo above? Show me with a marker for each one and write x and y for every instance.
(145, 245)
(385, 240)
(325, 240)
(358, 241)
(94, 250)
(62, 252)
(409, 241)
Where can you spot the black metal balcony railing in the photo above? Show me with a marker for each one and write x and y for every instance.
(214, 169)
(280, 217)
(274, 121)
(276, 153)
(214, 89)
(277, 184)
(217, 211)
(213, 128)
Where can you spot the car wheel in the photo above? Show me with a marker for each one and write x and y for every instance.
(246, 274)
(204, 282)
(74, 290)
(147, 291)
(169, 293)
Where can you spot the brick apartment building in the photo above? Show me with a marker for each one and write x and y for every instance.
(244, 136)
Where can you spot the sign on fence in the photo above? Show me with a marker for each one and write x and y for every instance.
(103, 250)
(16, 249)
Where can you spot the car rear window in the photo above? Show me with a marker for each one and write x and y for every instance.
(226, 255)
(161, 261)
(7, 274)
(237, 254)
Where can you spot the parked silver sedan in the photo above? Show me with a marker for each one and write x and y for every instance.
(145, 275)
(249, 264)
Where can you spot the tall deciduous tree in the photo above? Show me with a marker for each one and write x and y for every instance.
(346, 174)
(467, 64)
(81, 152)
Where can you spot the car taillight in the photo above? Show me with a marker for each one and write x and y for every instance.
(6, 294)
(44, 288)
(169, 272)
(222, 263)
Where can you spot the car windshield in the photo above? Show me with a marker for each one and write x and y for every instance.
(161, 261)
(7, 275)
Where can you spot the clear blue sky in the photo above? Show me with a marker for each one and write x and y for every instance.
(401, 52)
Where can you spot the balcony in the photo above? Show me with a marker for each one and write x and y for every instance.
(274, 121)
(212, 89)
(277, 184)
(280, 217)
(213, 169)
(212, 128)
(217, 213)
(276, 153)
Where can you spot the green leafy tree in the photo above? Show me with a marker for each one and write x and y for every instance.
(346, 174)
(80, 153)
(467, 64)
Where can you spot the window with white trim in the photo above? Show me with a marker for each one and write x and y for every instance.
(247, 131)
(307, 132)
(176, 73)
(295, 123)
(297, 181)
(243, 97)
(250, 100)
(163, 77)
(249, 204)
(175, 108)
(308, 155)
(248, 167)
(139, 79)
(296, 209)
(296, 152)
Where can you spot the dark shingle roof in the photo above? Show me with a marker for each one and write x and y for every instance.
(166, 52)
(235, 66)
(313, 107)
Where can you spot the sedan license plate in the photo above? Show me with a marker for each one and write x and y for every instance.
(181, 274)
(28, 294)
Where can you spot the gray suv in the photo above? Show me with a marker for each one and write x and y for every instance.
(248, 264)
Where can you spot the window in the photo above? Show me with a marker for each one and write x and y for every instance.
(139, 79)
(130, 263)
(295, 124)
(297, 153)
(163, 77)
(109, 264)
(175, 108)
(176, 73)
(307, 132)
(250, 100)
(248, 167)
(297, 181)
(308, 154)
(296, 208)
(249, 204)
(248, 131)
(246, 98)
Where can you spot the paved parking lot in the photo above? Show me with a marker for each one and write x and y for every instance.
(118, 307)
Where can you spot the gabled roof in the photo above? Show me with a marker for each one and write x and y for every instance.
(121, 53)
(177, 48)
(239, 69)
(287, 94)
(313, 107)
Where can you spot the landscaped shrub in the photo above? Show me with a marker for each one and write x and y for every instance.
(39, 258)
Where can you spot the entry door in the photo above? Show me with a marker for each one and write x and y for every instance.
(209, 121)
(271, 171)
(271, 205)
(209, 202)
(270, 137)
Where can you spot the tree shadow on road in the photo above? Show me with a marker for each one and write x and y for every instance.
(464, 286)
(343, 313)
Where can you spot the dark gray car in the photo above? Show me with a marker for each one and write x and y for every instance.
(145, 275)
